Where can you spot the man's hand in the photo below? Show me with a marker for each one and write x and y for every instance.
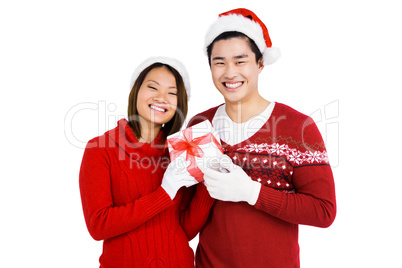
(231, 183)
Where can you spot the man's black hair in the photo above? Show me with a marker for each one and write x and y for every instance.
(234, 34)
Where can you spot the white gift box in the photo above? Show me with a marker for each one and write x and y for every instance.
(199, 144)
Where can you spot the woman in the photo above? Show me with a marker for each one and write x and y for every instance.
(128, 199)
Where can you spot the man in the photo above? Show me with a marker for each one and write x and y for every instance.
(278, 176)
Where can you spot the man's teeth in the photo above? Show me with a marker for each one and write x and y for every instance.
(158, 108)
(233, 85)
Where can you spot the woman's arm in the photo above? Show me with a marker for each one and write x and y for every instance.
(103, 219)
(196, 205)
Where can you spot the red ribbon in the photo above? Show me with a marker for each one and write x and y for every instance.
(192, 148)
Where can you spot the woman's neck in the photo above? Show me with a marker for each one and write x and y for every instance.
(149, 132)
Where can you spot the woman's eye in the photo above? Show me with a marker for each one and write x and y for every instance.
(151, 87)
(173, 93)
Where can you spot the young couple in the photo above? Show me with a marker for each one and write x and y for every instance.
(278, 175)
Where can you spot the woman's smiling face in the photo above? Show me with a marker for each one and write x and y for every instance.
(157, 97)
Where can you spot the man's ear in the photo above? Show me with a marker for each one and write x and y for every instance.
(260, 65)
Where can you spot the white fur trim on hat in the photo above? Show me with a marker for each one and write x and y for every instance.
(168, 61)
(252, 29)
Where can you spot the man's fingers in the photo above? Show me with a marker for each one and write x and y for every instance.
(213, 174)
(226, 163)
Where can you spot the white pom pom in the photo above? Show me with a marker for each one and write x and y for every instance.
(271, 55)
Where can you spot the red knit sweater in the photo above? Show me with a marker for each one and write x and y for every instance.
(125, 205)
(287, 155)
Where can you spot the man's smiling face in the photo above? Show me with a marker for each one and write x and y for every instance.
(235, 70)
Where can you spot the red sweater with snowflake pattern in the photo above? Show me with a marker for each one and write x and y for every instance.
(125, 205)
(288, 157)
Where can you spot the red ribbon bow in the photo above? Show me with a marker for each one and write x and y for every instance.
(192, 148)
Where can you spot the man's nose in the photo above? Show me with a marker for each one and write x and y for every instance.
(230, 71)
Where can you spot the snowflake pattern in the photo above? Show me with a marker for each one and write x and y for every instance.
(292, 155)
(275, 172)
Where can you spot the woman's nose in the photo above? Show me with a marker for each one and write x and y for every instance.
(161, 98)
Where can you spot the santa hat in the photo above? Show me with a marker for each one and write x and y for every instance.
(245, 21)
(177, 65)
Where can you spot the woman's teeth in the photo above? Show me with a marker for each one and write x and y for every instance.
(233, 85)
(157, 108)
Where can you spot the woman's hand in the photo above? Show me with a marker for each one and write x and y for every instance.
(177, 176)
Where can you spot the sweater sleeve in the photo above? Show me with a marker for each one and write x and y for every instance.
(196, 205)
(103, 219)
(313, 202)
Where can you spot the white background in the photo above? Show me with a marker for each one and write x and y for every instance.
(65, 69)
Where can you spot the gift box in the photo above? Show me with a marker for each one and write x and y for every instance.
(199, 144)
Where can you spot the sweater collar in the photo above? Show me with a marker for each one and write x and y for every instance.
(124, 137)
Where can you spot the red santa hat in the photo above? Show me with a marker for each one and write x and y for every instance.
(245, 21)
(177, 65)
